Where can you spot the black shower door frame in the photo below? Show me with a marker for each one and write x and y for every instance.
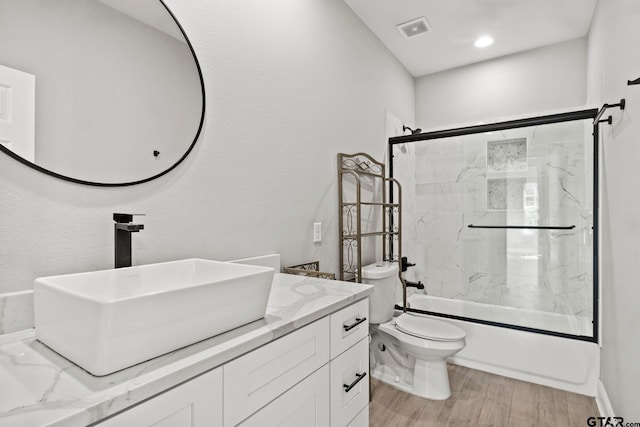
(514, 124)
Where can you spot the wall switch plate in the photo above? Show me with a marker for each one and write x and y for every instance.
(317, 232)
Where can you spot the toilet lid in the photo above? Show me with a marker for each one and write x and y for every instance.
(432, 329)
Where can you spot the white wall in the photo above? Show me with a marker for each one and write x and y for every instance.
(613, 60)
(289, 84)
(543, 79)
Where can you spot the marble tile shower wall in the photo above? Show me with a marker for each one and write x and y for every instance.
(532, 176)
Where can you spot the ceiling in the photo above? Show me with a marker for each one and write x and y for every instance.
(516, 25)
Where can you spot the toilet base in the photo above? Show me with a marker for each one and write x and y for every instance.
(412, 364)
(439, 390)
(431, 380)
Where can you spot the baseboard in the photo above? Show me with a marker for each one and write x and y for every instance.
(603, 402)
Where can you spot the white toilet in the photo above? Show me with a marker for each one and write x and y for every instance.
(428, 341)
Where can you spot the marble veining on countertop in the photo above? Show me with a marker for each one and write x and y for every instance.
(38, 387)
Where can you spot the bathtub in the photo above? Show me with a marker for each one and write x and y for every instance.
(564, 323)
(563, 363)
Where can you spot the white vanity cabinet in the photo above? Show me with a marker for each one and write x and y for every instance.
(336, 394)
(255, 379)
(317, 375)
(350, 365)
(307, 404)
(196, 403)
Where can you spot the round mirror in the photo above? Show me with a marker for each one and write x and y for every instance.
(99, 92)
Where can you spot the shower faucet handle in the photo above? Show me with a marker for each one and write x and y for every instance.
(404, 264)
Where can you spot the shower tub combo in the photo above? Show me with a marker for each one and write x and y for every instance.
(501, 221)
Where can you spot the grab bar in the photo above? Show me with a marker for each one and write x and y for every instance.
(534, 227)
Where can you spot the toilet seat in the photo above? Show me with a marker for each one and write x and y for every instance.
(431, 329)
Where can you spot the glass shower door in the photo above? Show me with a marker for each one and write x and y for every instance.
(501, 224)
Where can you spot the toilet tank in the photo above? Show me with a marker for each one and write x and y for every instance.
(383, 277)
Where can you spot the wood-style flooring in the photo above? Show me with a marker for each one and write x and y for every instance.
(481, 399)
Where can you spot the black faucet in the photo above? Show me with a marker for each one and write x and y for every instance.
(404, 264)
(123, 229)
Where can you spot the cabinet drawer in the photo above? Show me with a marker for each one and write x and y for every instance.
(306, 404)
(343, 332)
(346, 371)
(196, 403)
(362, 419)
(255, 379)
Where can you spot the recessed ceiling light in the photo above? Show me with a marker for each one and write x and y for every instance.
(484, 41)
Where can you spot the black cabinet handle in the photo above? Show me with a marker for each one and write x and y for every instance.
(359, 377)
(354, 324)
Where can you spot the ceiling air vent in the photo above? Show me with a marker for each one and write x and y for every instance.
(414, 28)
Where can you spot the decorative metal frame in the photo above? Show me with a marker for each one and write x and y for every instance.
(311, 269)
(363, 167)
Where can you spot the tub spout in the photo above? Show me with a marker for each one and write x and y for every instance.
(418, 284)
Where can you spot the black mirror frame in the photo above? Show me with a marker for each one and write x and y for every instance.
(124, 184)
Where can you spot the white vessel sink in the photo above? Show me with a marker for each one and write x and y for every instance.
(109, 320)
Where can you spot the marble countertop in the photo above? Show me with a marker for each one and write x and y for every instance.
(38, 387)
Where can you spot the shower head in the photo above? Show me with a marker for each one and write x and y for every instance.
(413, 131)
